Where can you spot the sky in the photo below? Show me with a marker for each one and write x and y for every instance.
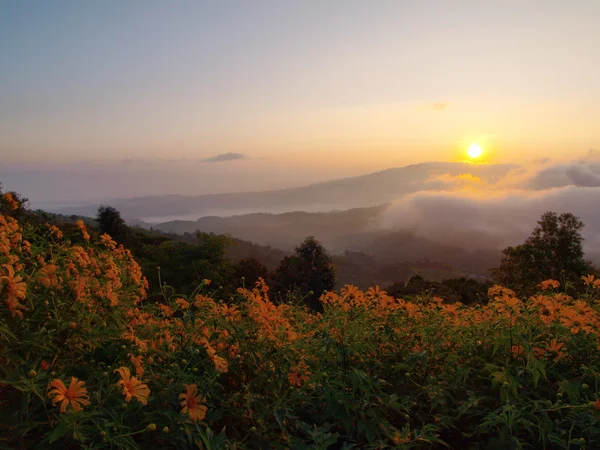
(260, 94)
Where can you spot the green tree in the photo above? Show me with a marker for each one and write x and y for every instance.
(308, 272)
(110, 222)
(251, 269)
(553, 250)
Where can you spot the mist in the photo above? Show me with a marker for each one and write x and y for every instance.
(484, 216)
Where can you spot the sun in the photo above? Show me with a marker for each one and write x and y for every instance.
(474, 151)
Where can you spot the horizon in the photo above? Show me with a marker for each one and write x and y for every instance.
(338, 85)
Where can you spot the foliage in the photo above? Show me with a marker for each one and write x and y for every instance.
(307, 273)
(464, 290)
(248, 271)
(110, 222)
(87, 362)
(554, 250)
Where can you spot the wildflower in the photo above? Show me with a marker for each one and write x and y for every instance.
(573, 321)
(298, 374)
(75, 395)
(83, 229)
(588, 280)
(206, 281)
(548, 284)
(556, 347)
(16, 289)
(47, 276)
(182, 303)
(132, 387)
(220, 363)
(12, 203)
(192, 403)
(375, 292)
(137, 362)
(108, 242)
(517, 351)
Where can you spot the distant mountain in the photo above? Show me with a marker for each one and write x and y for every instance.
(356, 231)
(284, 230)
(361, 191)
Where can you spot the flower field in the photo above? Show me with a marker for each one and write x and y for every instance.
(87, 361)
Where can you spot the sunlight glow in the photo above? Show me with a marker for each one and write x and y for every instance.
(474, 151)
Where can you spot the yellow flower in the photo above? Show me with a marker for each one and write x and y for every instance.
(132, 387)
(192, 403)
(75, 395)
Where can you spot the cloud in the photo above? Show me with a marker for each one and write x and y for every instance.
(439, 106)
(581, 174)
(478, 215)
(223, 157)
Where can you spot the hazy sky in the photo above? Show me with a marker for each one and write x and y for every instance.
(351, 86)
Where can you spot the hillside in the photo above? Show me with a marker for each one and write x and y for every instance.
(88, 360)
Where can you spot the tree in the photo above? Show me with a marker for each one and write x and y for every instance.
(308, 272)
(110, 222)
(554, 250)
(251, 269)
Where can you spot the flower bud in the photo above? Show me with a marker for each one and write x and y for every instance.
(32, 374)
(151, 427)
(165, 430)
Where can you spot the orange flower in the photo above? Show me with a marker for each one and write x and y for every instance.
(556, 347)
(12, 203)
(192, 403)
(220, 363)
(517, 351)
(547, 284)
(132, 387)
(182, 303)
(16, 289)
(83, 229)
(588, 280)
(137, 362)
(376, 292)
(47, 276)
(298, 374)
(573, 321)
(75, 395)
(108, 241)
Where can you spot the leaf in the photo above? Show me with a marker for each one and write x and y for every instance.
(58, 432)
